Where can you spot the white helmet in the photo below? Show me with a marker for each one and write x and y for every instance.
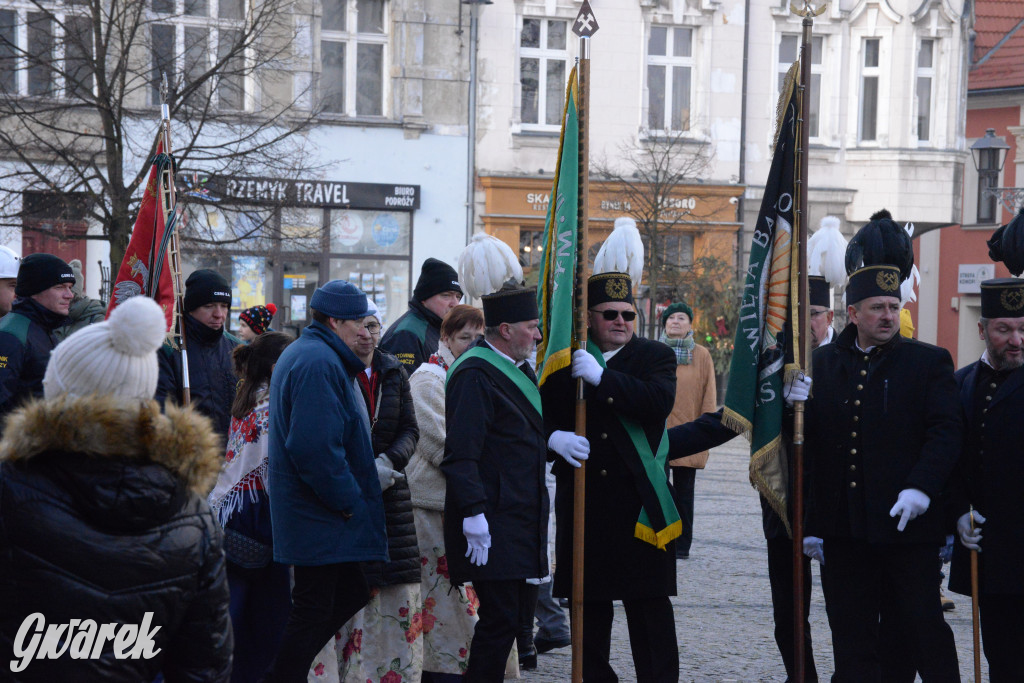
(9, 262)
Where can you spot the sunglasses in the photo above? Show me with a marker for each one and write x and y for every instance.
(610, 315)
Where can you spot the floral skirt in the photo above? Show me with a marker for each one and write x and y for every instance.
(382, 643)
(449, 613)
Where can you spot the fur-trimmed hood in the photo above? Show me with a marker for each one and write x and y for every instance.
(104, 427)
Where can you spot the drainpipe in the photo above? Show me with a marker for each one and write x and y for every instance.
(474, 27)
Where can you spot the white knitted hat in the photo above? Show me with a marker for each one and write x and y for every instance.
(116, 357)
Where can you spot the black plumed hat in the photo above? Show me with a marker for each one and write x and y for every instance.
(880, 242)
(1007, 244)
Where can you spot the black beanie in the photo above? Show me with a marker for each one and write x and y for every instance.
(39, 272)
(206, 287)
(435, 277)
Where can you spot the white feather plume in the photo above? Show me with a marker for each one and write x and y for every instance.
(486, 264)
(907, 293)
(622, 252)
(907, 287)
(826, 250)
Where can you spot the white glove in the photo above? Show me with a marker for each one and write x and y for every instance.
(797, 390)
(586, 366)
(910, 504)
(386, 473)
(571, 447)
(478, 537)
(971, 538)
(814, 549)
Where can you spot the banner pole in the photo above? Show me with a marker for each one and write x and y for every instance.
(583, 246)
(170, 201)
(802, 342)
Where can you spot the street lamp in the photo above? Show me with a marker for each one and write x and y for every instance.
(988, 149)
(989, 154)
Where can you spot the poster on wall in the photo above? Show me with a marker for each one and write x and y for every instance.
(248, 284)
(298, 306)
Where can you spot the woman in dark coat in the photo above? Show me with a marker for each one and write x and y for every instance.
(104, 520)
(387, 631)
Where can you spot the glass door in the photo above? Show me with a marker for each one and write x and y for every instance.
(300, 279)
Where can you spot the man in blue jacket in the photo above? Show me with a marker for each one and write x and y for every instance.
(327, 511)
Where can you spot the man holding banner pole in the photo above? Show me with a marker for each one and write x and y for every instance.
(629, 550)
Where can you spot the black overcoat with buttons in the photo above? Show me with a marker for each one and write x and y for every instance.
(639, 382)
(990, 476)
(878, 423)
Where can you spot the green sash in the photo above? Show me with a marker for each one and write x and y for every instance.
(518, 378)
(654, 468)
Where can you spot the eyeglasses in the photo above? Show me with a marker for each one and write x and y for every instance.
(815, 314)
(611, 314)
(373, 328)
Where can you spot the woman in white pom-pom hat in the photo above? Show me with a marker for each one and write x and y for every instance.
(105, 520)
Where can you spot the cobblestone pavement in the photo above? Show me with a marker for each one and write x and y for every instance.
(723, 610)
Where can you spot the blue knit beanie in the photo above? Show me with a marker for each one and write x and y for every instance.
(340, 300)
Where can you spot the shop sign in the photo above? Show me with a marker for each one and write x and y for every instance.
(971, 275)
(289, 192)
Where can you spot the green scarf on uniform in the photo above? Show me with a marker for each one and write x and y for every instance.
(683, 347)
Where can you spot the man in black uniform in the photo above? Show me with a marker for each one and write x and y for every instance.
(883, 435)
(630, 388)
(990, 471)
(414, 336)
(496, 505)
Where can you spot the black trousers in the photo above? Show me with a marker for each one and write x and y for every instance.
(1002, 635)
(780, 575)
(323, 599)
(682, 494)
(652, 639)
(857, 578)
(504, 605)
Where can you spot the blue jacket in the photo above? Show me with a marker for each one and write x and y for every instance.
(327, 505)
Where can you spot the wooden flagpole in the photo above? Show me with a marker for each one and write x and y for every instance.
(584, 26)
(803, 346)
(169, 200)
(975, 612)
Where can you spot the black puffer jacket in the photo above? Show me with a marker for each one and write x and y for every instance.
(395, 435)
(103, 516)
(210, 373)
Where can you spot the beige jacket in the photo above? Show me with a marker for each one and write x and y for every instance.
(423, 473)
(696, 393)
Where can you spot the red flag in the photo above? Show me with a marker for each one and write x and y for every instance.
(133, 277)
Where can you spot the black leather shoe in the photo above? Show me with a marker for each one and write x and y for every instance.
(528, 660)
(544, 645)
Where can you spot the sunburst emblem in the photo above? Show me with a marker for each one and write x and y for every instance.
(887, 281)
(616, 288)
(1012, 299)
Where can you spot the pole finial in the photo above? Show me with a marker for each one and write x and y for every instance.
(585, 24)
(808, 9)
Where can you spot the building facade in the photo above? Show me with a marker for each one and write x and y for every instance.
(380, 182)
(957, 258)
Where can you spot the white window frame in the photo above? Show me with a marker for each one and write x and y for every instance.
(542, 54)
(213, 24)
(669, 61)
(816, 70)
(929, 73)
(864, 72)
(59, 13)
(352, 38)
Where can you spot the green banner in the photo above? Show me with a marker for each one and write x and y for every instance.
(763, 349)
(555, 288)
